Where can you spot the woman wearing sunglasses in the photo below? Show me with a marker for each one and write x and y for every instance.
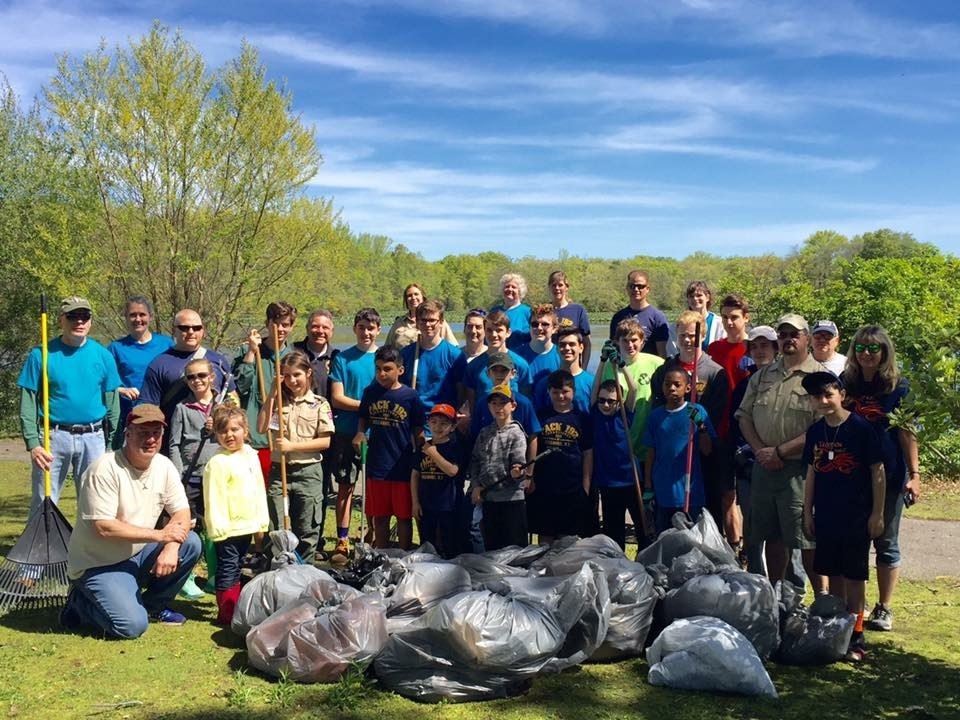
(875, 388)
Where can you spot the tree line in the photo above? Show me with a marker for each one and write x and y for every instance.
(139, 169)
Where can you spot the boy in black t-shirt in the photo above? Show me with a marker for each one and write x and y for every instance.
(435, 481)
(843, 496)
(394, 414)
(559, 502)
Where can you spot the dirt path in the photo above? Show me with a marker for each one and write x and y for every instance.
(930, 548)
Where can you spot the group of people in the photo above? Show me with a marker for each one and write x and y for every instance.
(786, 441)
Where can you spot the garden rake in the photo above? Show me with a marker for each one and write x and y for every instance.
(34, 573)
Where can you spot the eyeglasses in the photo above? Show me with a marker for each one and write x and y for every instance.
(541, 323)
(606, 401)
(79, 316)
(429, 320)
(637, 286)
(872, 348)
(478, 312)
(189, 328)
(785, 335)
(197, 376)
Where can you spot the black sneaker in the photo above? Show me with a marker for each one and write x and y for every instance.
(881, 618)
(857, 650)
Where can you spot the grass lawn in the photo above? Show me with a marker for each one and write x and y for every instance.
(940, 501)
(197, 671)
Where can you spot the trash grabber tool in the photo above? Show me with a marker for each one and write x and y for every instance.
(644, 527)
(281, 431)
(692, 432)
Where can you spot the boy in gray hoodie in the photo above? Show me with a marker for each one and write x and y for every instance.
(496, 473)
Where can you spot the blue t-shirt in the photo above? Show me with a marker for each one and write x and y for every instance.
(132, 360)
(163, 382)
(78, 377)
(841, 458)
(873, 407)
(438, 491)
(571, 434)
(519, 316)
(475, 376)
(435, 379)
(541, 364)
(355, 370)
(654, 323)
(524, 414)
(391, 417)
(573, 315)
(611, 457)
(667, 432)
(582, 387)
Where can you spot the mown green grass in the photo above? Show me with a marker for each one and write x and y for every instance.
(197, 671)
(940, 500)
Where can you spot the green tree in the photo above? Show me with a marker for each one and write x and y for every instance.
(192, 169)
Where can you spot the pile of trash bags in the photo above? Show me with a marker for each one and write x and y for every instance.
(484, 626)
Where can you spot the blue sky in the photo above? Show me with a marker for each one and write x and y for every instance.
(592, 127)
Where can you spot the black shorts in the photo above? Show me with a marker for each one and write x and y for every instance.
(842, 556)
(557, 514)
(342, 461)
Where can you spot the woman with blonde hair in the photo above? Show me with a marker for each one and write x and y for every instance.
(875, 388)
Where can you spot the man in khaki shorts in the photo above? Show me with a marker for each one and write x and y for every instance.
(774, 417)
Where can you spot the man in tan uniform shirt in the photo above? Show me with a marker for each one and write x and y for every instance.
(774, 417)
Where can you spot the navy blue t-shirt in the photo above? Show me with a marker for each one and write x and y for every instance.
(654, 322)
(562, 472)
(573, 315)
(391, 417)
(841, 458)
(873, 407)
(438, 491)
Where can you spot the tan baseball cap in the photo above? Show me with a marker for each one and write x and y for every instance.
(793, 320)
(146, 413)
(74, 302)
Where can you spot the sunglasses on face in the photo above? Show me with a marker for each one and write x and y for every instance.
(872, 348)
(541, 323)
(479, 312)
(189, 328)
(637, 286)
(197, 376)
(79, 316)
(606, 401)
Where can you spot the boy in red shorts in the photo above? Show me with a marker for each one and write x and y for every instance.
(394, 415)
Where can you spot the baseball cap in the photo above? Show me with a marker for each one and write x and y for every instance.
(762, 331)
(445, 410)
(503, 390)
(500, 359)
(825, 326)
(146, 413)
(793, 320)
(816, 381)
(74, 302)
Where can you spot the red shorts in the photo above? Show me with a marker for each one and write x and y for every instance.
(387, 498)
(263, 454)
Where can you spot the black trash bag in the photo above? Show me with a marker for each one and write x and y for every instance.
(423, 585)
(632, 601)
(819, 635)
(482, 645)
(362, 564)
(568, 554)
(517, 556)
(673, 543)
(704, 653)
(741, 599)
(268, 592)
(317, 638)
(688, 566)
(484, 569)
(581, 603)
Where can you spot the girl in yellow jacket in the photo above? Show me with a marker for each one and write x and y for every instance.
(235, 503)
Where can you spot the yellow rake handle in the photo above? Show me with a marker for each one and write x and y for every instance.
(45, 385)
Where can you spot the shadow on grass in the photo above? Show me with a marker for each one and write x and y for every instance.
(13, 520)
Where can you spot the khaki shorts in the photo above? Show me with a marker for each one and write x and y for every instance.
(776, 506)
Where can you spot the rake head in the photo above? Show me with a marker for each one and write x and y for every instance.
(34, 573)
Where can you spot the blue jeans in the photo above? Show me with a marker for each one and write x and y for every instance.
(888, 544)
(69, 451)
(118, 599)
(230, 554)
